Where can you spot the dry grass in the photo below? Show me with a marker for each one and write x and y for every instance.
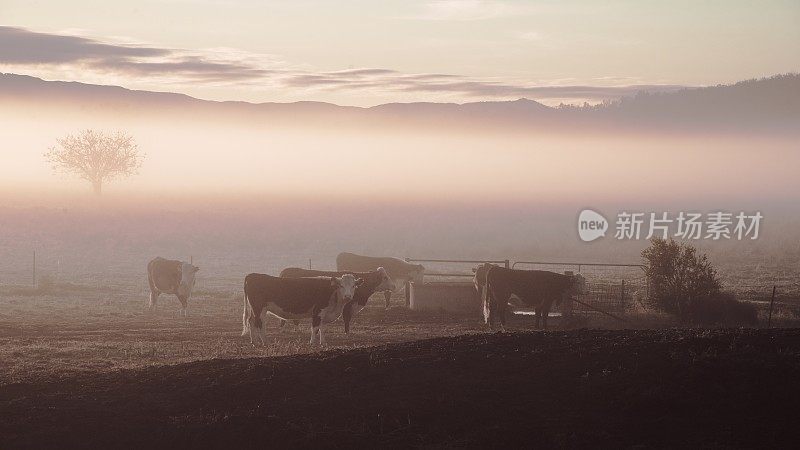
(48, 336)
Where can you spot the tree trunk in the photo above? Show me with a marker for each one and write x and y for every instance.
(97, 186)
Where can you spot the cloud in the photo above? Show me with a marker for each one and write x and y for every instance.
(464, 10)
(77, 54)
(387, 80)
(19, 46)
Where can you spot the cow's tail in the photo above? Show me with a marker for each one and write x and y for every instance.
(246, 311)
(486, 299)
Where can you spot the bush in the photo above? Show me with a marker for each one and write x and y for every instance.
(722, 309)
(684, 283)
(679, 277)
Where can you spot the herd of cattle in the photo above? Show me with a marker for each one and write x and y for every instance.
(324, 296)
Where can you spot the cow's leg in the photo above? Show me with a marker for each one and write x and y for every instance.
(545, 312)
(497, 308)
(153, 297)
(388, 296)
(501, 309)
(184, 303)
(282, 326)
(316, 321)
(502, 304)
(321, 337)
(251, 329)
(538, 313)
(255, 326)
(263, 334)
(313, 335)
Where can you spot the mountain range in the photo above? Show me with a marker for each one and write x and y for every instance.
(763, 105)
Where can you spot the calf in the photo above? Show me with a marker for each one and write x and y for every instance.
(375, 281)
(535, 288)
(322, 299)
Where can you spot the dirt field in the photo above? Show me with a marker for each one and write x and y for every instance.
(578, 388)
(93, 369)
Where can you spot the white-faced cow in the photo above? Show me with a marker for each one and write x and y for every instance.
(400, 271)
(535, 288)
(171, 277)
(377, 280)
(322, 299)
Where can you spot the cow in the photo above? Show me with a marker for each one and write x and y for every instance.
(400, 271)
(535, 288)
(322, 299)
(377, 280)
(170, 277)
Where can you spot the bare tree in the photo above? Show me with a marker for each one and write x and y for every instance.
(96, 156)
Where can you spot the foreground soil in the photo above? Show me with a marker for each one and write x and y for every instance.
(587, 388)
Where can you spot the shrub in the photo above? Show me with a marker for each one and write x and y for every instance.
(722, 309)
(678, 276)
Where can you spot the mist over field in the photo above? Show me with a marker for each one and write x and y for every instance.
(242, 187)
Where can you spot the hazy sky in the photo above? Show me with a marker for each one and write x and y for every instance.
(367, 52)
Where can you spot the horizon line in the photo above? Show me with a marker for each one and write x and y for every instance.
(377, 105)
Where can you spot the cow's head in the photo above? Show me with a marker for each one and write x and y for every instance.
(188, 272)
(345, 287)
(381, 281)
(386, 283)
(417, 273)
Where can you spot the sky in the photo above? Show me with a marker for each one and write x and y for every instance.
(366, 53)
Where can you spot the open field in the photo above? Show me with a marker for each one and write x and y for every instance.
(65, 329)
(587, 388)
(93, 358)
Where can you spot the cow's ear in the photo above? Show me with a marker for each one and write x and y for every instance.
(359, 281)
(334, 282)
(195, 268)
(474, 270)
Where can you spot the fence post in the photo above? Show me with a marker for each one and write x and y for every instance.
(508, 263)
(622, 294)
(34, 268)
(771, 302)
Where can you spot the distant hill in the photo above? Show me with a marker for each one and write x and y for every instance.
(774, 100)
(769, 104)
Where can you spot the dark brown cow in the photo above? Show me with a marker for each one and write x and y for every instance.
(322, 299)
(376, 280)
(400, 271)
(535, 288)
(171, 277)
